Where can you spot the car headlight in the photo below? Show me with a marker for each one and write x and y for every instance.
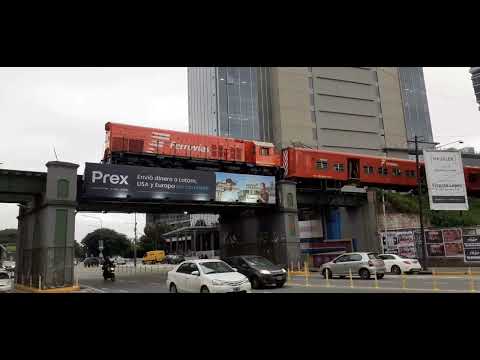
(218, 282)
(265, 272)
(284, 271)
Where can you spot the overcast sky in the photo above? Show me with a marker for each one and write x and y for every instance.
(68, 108)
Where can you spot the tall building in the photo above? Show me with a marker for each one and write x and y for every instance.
(475, 71)
(369, 110)
(230, 101)
(415, 105)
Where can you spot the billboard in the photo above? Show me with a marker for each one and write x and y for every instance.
(471, 246)
(251, 189)
(400, 243)
(104, 181)
(446, 180)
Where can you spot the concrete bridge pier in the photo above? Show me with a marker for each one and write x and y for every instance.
(47, 231)
(272, 234)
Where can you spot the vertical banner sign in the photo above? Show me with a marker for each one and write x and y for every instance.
(446, 180)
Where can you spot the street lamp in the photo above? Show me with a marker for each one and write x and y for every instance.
(454, 142)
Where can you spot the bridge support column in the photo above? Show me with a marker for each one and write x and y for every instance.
(271, 234)
(47, 232)
(360, 223)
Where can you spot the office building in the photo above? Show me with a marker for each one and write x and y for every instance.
(415, 106)
(475, 71)
(363, 110)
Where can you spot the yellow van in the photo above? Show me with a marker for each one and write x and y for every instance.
(153, 257)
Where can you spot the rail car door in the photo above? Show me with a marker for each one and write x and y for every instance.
(353, 169)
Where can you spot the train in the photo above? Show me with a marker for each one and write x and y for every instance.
(137, 145)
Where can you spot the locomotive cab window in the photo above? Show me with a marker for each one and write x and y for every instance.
(321, 164)
(264, 151)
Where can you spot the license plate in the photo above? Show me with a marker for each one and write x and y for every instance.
(236, 289)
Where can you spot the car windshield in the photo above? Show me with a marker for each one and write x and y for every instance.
(373, 256)
(257, 261)
(215, 267)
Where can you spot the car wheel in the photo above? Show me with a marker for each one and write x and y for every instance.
(255, 282)
(325, 272)
(173, 288)
(204, 290)
(380, 276)
(364, 274)
(396, 270)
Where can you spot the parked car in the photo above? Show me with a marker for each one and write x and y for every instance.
(361, 264)
(9, 265)
(206, 276)
(120, 261)
(153, 257)
(5, 280)
(91, 261)
(398, 264)
(260, 271)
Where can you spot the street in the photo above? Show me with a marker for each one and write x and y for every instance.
(151, 279)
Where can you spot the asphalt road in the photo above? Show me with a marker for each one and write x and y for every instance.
(151, 279)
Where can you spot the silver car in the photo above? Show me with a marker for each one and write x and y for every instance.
(361, 264)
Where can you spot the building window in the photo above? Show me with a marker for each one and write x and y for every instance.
(321, 164)
(62, 189)
(340, 167)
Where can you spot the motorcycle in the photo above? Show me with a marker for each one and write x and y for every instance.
(109, 272)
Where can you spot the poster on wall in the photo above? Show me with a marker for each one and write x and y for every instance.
(435, 250)
(471, 246)
(470, 232)
(445, 180)
(453, 242)
(400, 242)
(452, 235)
(454, 249)
(310, 229)
(433, 237)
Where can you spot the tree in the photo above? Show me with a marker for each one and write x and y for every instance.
(152, 238)
(114, 243)
(79, 250)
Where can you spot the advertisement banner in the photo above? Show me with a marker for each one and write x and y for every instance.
(104, 181)
(434, 237)
(435, 250)
(471, 245)
(400, 243)
(453, 242)
(252, 189)
(310, 229)
(446, 180)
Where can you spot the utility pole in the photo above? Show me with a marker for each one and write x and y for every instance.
(420, 208)
(135, 244)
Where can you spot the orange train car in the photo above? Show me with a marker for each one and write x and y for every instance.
(151, 143)
(308, 164)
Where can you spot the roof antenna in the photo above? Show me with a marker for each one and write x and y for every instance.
(56, 157)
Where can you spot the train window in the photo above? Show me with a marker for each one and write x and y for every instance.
(321, 164)
(382, 171)
(410, 173)
(340, 167)
(368, 170)
(396, 172)
(264, 151)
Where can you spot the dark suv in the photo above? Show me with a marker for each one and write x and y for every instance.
(260, 271)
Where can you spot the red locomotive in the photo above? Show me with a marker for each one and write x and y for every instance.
(148, 146)
(127, 144)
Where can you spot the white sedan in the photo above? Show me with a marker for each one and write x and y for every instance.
(5, 281)
(208, 275)
(398, 264)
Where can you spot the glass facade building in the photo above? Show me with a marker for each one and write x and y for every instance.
(230, 101)
(415, 105)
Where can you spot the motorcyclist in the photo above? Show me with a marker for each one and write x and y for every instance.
(107, 264)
